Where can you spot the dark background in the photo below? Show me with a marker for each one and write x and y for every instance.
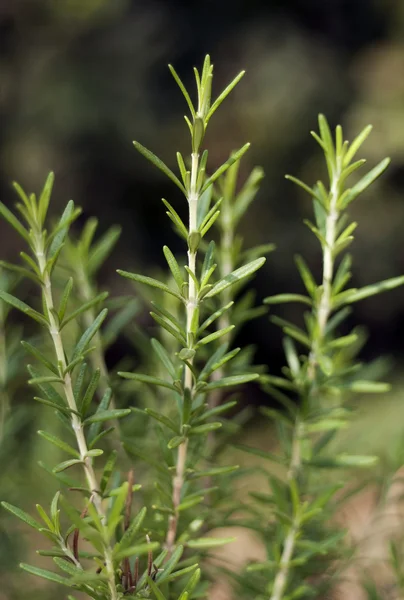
(80, 79)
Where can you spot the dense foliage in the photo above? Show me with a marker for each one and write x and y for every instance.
(142, 488)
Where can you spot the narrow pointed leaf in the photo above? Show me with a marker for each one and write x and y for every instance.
(107, 415)
(150, 281)
(236, 276)
(49, 575)
(53, 439)
(159, 164)
(230, 381)
(224, 95)
(14, 222)
(147, 379)
(17, 512)
(89, 334)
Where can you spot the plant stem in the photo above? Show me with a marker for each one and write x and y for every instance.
(191, 307)
(324, 308)
(77, 425)
(323, 311)
(281, 578)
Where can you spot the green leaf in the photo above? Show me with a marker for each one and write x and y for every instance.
(17, 512)
(223, 95)
(65, 298)
(98, 436)
(147, 379)
(159, 164)
(45, 518)
(282, 298)
(307, 277)
(183, 89)
(107, 415)
(164, 357)
(215, 335)
(209, 542)
(49, 575)
(53, 439)
(132, 530)
(214, 472)
(204, 200)
(356, 144)
(44, 198)
(346, 460)
(170, 564)
(176, 441)
(192, 583)
(150, 281)
(174, 267)
(364, 183)
(35, 352)
(14, 222)
(66, 465)
(59, 233)
(84, 307)
(136, 550)
(206, 428)
(90, 391)
(326, 425)
(162, 419)
(236, 276)
(230, 381)
(217, 410)
(182, 572)
(217, 360)
(176, 219)
(247, 194)
(291, 356)
(218, 313)
(41, 380)
(158, 594)
(89, 334)
(230, 161)
(371, 290)
(369, 387)
(16, 303)
(22, 271)
(53, 405)
(47, 389)
(327, 140)
(301, 184)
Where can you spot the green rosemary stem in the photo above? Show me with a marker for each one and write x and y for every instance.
(322, 312)
(191, 308)
(77, 425)
(324, 307)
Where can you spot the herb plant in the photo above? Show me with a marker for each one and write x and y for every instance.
(194, 377)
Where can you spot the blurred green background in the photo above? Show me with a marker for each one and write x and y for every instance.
(80, 79)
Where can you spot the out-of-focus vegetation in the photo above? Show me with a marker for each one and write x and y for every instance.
(80, 79)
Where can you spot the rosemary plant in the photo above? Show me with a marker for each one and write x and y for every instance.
(198, 310)
(304, 549)
(187, 378)
(68, 385)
